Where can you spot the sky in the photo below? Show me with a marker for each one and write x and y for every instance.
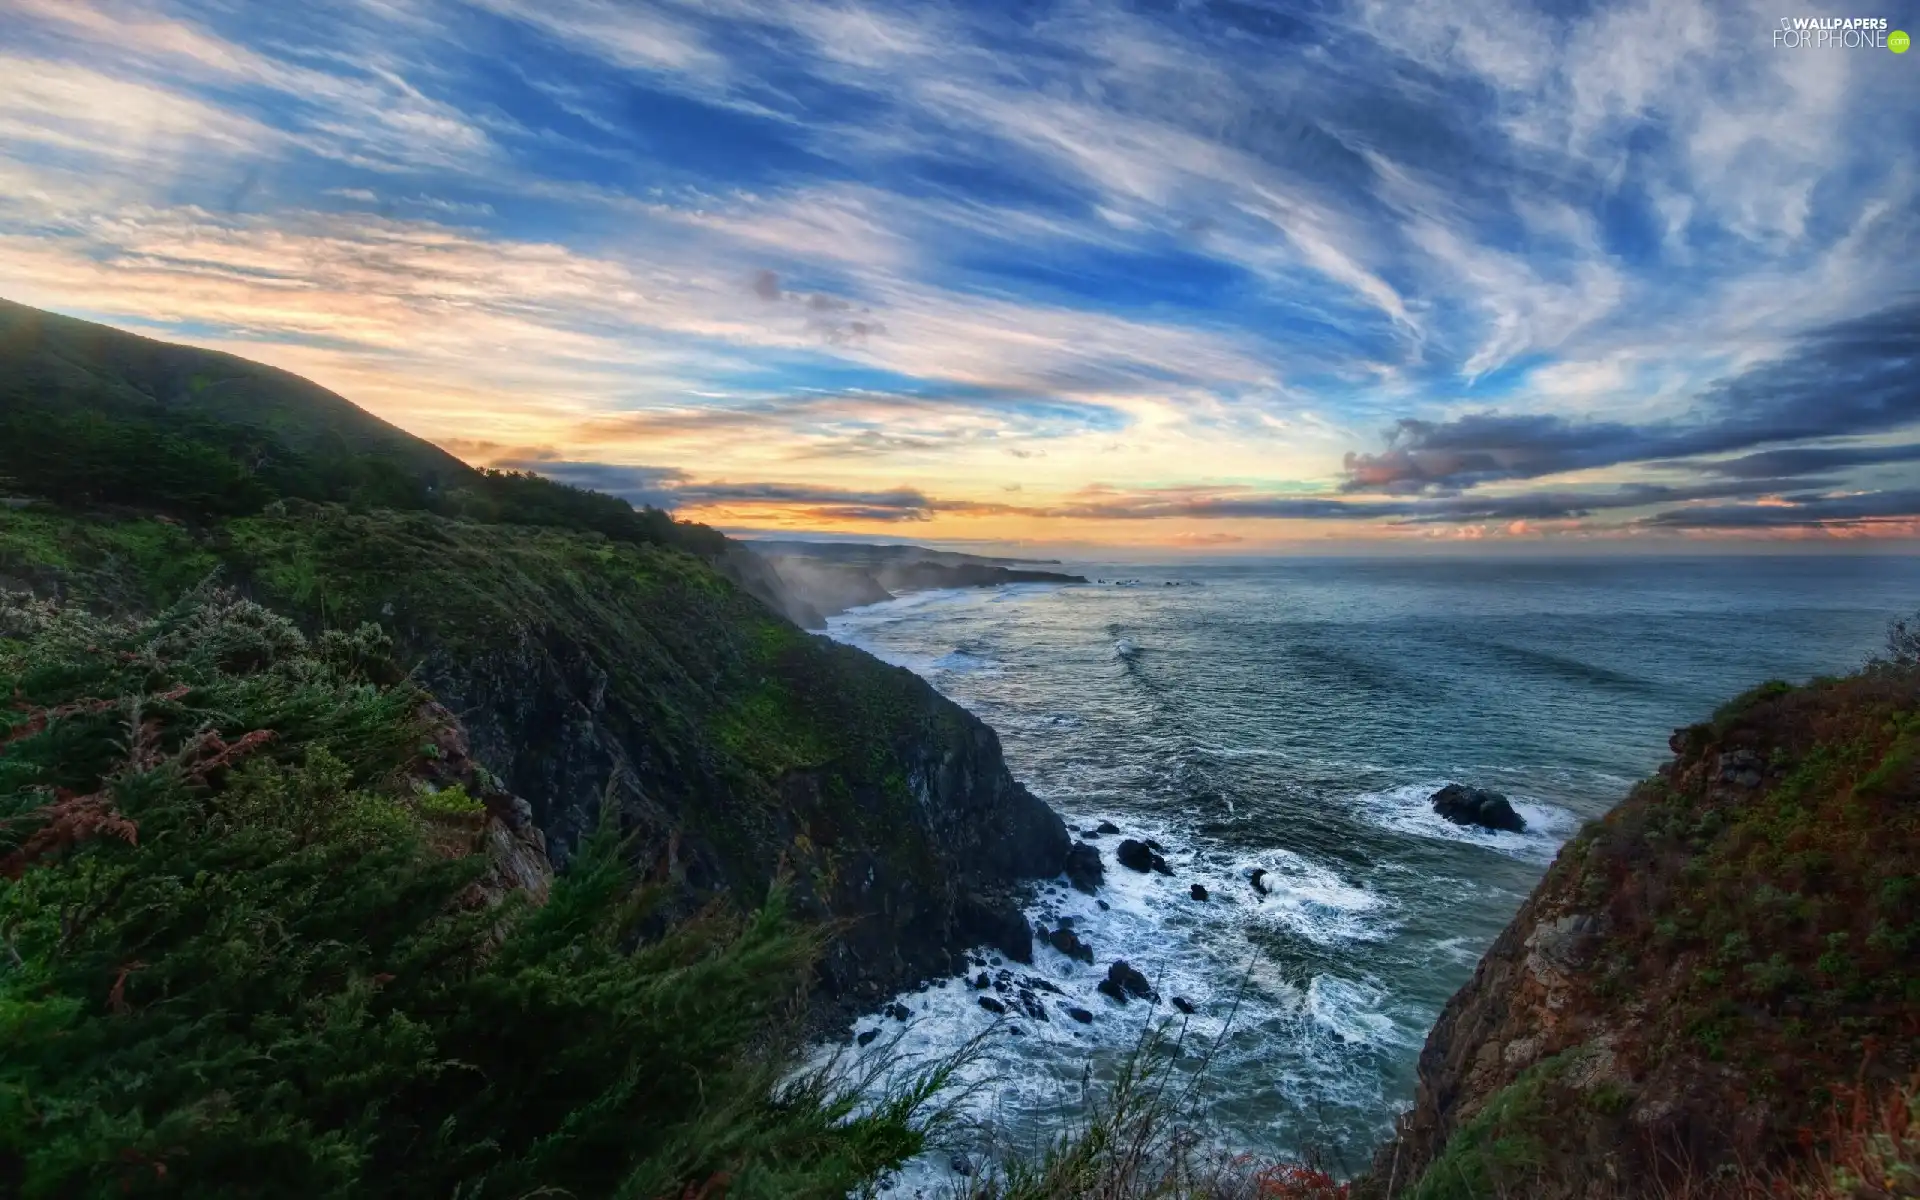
(1209, 276)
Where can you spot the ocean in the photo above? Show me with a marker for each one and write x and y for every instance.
(1295, 716)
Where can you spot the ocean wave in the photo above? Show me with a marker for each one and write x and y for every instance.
(1409, 809)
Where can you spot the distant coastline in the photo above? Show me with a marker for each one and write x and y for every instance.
(822, 579)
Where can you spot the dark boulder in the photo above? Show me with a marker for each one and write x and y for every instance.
(1197, 892)
(1476, 806)
(961, 1164)
(1183, 1004)
(898, 1012)
(1084, 869)
(981, 981)
(1141, 857)
(1111, 990)
(993, 1006)
(1259, 881)
(1067, 942)
(1080, 1014)
(1128, 980)
(867, 1037)
(1107, 827)
(1000, 924)
(1742, 768)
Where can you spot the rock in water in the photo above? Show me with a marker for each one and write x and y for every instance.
(1259, 881)
(1081, 1015)
(993, 1006)
(1129, 980)
(1183, 1004)
(1197, 892)
(1476, 806)
(1108, 827)
(1084, 869)
(1067, 942)
(1141, 857)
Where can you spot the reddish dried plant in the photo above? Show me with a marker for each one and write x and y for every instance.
(69, 820)
(1294, 1181)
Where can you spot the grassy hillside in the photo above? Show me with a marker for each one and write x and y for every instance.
(1715, 991)
(90, 415)
(267, 933)
(605, 662)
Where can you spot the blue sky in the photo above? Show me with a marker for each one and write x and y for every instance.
(1229, 275)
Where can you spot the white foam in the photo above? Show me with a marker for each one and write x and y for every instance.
(1409, 809)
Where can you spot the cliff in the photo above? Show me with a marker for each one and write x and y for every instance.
(1709, 983)
(595, 654)
(270, 929)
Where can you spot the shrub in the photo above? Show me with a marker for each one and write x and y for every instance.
(235, 965)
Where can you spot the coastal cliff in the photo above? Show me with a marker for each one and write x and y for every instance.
(597, 656)
(1710, 985)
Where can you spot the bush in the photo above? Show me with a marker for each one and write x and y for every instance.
(235, 963)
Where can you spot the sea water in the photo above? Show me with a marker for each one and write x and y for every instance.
(1294, 716)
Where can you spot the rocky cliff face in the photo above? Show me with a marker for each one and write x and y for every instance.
(736, 749)
(1701, 976)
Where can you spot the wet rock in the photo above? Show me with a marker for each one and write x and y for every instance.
(993, 1006)
(1067, 942)
(1080, 1014)
(1104, 906)
(1476, 806)
(1183, 1004)
(999, 923)
(898, 1012)
(1065, 922)
(1259, 881)
(866, 1038)
(1084, 869)
(1197, 892)
(1039, 984)
(1030, 1004)
(1141, 857)
(1129, 980)
(961, 1164)
(1111, 990)
(1107, 827)
(981, 981)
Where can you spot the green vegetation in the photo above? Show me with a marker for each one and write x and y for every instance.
(238, 962)
(93, 417)
(1755, 913)
(267, 925)
(1503, 1149)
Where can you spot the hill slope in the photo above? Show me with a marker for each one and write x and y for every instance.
(596, 654)
(1705, 979)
